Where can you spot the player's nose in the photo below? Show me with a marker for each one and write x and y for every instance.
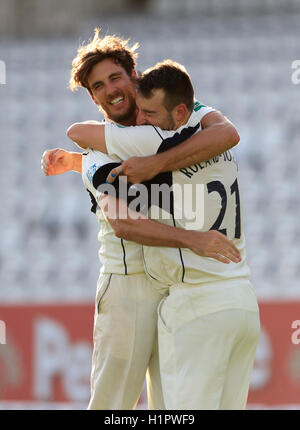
(111, 90)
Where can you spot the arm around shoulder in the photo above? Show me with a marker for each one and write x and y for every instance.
(228, 132)
(88, 134)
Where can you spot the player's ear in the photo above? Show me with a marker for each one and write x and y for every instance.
(180, 111)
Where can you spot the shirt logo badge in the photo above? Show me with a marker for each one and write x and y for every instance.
(91, 171)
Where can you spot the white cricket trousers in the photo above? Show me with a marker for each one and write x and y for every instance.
(208, 337)
(125, 343)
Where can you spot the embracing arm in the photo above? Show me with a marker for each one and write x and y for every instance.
(57, 161)
(138, 228)
(218, 135)
(88, 134)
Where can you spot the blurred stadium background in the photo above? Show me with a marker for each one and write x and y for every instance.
(239, 54)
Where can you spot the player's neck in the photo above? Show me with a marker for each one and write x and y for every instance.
(128, 122)
(184, 120)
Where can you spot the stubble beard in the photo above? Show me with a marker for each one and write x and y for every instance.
(126, 118)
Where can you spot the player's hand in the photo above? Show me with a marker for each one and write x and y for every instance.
(56, 161)
(215, 245)
(137, 170)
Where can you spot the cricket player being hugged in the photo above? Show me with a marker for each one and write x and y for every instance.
(125, 325)
(208, 325)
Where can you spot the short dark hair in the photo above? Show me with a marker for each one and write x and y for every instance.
(173, 78)
(97, 50)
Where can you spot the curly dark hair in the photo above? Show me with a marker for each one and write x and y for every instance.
(97, 50)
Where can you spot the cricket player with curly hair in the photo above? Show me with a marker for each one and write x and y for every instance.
(125, 324)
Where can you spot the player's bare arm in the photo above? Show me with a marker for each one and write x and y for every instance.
(218, 135)
(88, 135)
(136, 227)
(57, 161)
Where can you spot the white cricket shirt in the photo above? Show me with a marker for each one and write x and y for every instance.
(211, 187)
(116, 255)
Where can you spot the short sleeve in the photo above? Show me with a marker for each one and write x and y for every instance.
(126, 142)
(201, 110)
